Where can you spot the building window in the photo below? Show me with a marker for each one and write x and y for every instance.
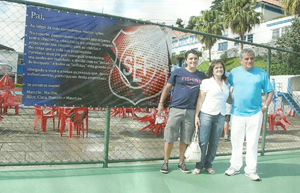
(284, 29)
(175, 43)
(222, 46)
(192, 39)
(250, 38)
(275, 34)
(236, 43)
(183, 41)
(182, 52)
(238, 38)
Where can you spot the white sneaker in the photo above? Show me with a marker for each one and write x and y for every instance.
(252, 176)
(231, 171)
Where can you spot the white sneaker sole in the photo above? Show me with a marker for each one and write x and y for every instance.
(253, 179)
(235, 173)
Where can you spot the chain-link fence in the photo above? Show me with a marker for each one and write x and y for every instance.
(121, 134)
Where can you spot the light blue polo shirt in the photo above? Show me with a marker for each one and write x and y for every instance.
(247, 89)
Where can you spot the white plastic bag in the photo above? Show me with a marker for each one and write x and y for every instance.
(159, 119)
(193, 151)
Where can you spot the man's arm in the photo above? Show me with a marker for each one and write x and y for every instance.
(163, 97)
(268, 101)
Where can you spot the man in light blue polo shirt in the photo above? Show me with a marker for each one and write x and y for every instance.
(248, 82)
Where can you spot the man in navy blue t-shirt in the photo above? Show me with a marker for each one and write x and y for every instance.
(181, 122)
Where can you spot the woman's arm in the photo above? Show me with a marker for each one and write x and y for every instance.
(200, 100)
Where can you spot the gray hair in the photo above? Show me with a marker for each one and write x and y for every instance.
(246, 51)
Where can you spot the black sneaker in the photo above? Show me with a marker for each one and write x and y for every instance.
(226, 139)
(183, 168)
(164, 168)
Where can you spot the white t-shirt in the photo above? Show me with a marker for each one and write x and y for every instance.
(215, 97)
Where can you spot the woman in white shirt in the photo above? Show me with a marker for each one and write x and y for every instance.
(211, 102)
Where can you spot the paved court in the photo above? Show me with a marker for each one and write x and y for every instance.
(280, 172)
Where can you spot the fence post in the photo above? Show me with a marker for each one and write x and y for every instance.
(106, 138)
(265, 117)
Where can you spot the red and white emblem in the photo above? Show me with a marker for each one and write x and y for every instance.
(141, 64)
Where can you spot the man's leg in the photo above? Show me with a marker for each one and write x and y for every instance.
(167, 151)
(186, 132)
(171, 133)
(252, 136)
(237, 140)
(226, 129)
(182, 148)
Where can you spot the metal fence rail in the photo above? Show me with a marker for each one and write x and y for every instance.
(114, 138)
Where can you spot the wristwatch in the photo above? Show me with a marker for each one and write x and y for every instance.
(265, 106)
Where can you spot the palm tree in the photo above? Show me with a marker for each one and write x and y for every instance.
(179, 23)
(216, 5)
(208, 22)
(240, 16)
(291, 6)
(191, 23)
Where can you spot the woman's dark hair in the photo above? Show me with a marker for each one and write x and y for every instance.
(211, 69)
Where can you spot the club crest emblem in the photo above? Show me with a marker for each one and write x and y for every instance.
(141, 63)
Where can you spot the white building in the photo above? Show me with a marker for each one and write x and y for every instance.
(8, 60)
(265, 33)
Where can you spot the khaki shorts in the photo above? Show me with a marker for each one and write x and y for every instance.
(181, 123)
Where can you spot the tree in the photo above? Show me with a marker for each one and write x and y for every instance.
(191, 23)
(286, 63)
(208, 23)
(240, 16)
(216, 5)
(179, 23)
(291, 6)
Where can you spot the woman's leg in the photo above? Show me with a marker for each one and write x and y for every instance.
(215, 134)
(204, 134)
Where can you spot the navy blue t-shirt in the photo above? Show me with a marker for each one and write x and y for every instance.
(186, 88)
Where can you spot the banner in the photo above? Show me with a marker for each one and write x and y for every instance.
(75, 59)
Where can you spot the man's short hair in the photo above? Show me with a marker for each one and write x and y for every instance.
(246, 51)
(191, 52)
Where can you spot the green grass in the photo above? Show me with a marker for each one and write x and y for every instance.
(231, 63)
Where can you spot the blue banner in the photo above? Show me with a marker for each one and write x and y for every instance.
(74, 59)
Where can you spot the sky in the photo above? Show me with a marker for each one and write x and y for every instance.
(156, 11)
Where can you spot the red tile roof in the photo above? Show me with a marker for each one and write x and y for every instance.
(178, 33)
(274, 2)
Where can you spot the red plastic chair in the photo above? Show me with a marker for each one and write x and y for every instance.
(39, 114)
(283, 122)
(1, 103)
(117, 111)
(131, 111)
(10, 101)
(76, 120)
(151, 118)
(291, 113)
(271, 121)
(123, 111)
